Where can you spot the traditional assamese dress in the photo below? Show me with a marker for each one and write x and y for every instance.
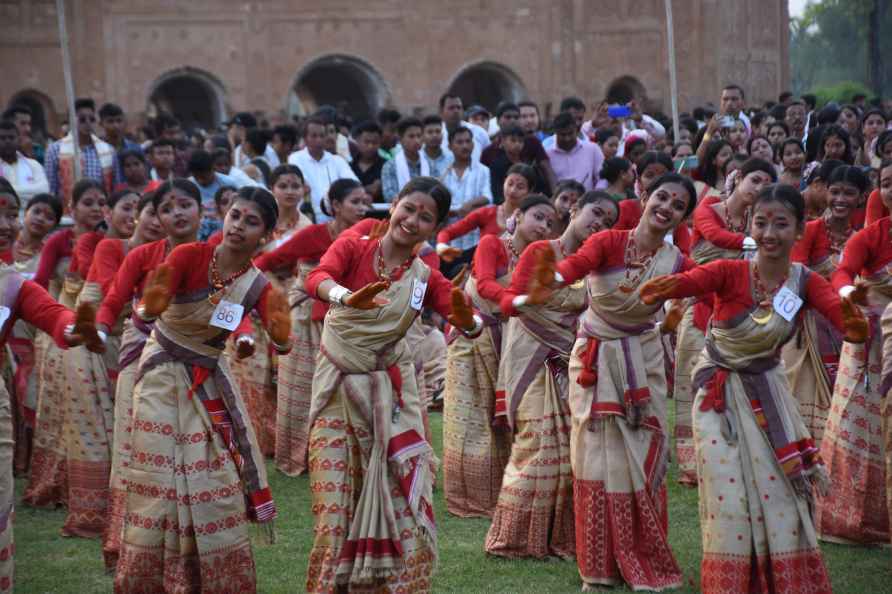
(48, 483)
(852, 448)
(756, 462)
(812, 357)
(20, 299)
(300, 254)
(534, 515)
(195, 476)
(126, 286)
(617, 370)
(475, 450)
(370, 467)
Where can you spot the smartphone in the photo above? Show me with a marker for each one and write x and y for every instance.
(686, 163)
(728, 122)
(619, 111)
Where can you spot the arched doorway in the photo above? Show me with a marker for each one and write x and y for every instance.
(487, 84)
(624, 89)
(349, 84)
(43, 115)
(192, 96)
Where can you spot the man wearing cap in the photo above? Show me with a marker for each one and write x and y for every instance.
(238, 128)
(451, 112)
(479, 116)
(508, 116)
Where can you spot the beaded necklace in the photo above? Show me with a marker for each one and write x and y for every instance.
(763, 297)
(381, 268)
(220, 283)
(632, 260)
(730, 225)
(837, 240)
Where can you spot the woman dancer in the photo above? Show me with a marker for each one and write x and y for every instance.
(375, 528)
(178, 216)
(619, 436)
(534, 516)
(211, 483)
(756, 463)
(48, 486)
(298, 256)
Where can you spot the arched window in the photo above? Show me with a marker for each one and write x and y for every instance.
(193, 96)
(487, 84)
(43, 115)
(347, 83)
(624, 89)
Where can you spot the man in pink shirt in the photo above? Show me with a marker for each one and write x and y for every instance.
(572, 158)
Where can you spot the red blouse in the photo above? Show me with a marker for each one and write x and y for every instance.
(84, 248)
(350, 262)
(485, 218)
(866, 252)
(35, 306)
(708, 225)
(59, 245)
(814, 245)
(602, 251)
(363, 227)
(491, 261)
(630, 212)
(107, 259)
(522, 275)
(730, 281)
(308, 244)
(876, 210)
(129, 280)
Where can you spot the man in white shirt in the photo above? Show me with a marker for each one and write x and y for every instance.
(320, 168)
(451, 111)
(26, 175)
(732, 105)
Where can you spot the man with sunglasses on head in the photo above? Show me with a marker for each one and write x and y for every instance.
(97, 157)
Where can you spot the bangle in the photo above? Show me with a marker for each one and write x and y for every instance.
(141, 313)
(475, 331)
(336, 294)
(846, 291)
(281, 348)
(442, 247)
(520, 301)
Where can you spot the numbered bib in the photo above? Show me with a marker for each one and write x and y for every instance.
(227, 315)
(787, 303)
(419, 288)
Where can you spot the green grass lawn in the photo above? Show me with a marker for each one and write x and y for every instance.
(47, 562)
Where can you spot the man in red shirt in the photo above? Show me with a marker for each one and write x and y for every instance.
(533, 153)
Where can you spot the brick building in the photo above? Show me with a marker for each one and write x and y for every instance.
(204, 59)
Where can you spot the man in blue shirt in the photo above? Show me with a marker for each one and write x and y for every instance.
(201, 169)
(114, 125)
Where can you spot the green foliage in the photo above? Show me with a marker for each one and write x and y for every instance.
(48, 563)
(840, 92)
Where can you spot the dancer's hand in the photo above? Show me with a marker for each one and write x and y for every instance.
(461, 276)
(673, 317)
(462, 316)
(542, 283)
(156, 296)
(859, 295)
(244, 346)
(84, 331)
(368, 297)
(278, 317)
(657, 289)
(448, 253)
(379, 229)
(856, 326)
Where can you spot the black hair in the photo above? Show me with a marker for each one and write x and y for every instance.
(179, 184)
(448, 95)
(6, 188)
(126, 153)
(605, 134)
(779, 153)
(460, 130)
(338, 190)
(286, 133)
(756, 164)
(680, 144)
(9, 125)
(614, 167)
(829, 114)
(849, 174)
(778, 123)
(222, 152)
(534, 200)
(50, 200)
(433, 188)
(144, 200)
(163, 142)
(525, 171)
(200, 161)
(885, 163)
(653, 157)
(116, 196)
(84, 103)
(735, 87)
(432, 120)
(506, 106)
(262, 166)
(266, 203)
(675, 178)
(739, 158)
(110, 110)
(823, 171)
(17, 108)
(366, 127)
(389, 116)
(567, 185)
(314, 121)
(707, 172)
(758, 118)
(749, 143)
(835, 130)
(788, 196)
(83, 186)
(528, 103)
(874, 111)
(884, 138)
(593, 196)
(218, 195)
(784, 96)
(165, 121)
(563, 120)
(257, 139)
(285, 169)
(514, 131)
(568, 103)
(404, 124)
(810, 100)
(778, 112)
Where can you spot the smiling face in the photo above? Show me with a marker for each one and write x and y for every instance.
(666, 207)
(179, 215)
(843, 199)
(243, 227)
(594, 217)
(122, 217)
(774, 229)
(40, 219)
(535, 223)
(412, 219)
(88, 210)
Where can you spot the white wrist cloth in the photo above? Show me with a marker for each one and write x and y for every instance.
(558, 277)
(749, 243)
(69, 329)
(442, 247)
(846, 291)
(478, 326)
(520, 301)
(245, 339)
(337, 293)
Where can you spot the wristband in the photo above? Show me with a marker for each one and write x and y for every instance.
(749, 243)
(336, 294)
(141, 312)
(245, 339)
(846, 291)
(558, 277)
(281, 348)
(442, 247)
(476, 330)
(520, 301)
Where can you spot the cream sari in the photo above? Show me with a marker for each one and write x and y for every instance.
(619, 468)
(370, 468)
